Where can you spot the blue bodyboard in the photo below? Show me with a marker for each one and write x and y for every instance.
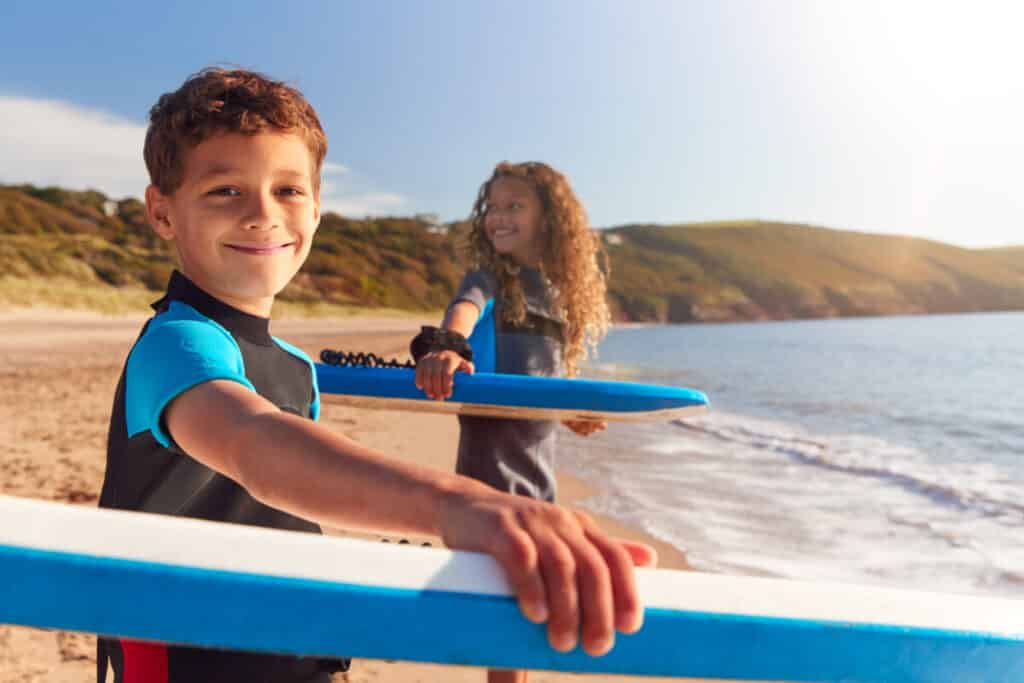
(513, 396)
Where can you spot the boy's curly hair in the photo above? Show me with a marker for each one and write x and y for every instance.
(217, 100)
(574, 260)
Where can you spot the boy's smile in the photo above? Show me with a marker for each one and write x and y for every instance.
(513, 220)
(244, 216)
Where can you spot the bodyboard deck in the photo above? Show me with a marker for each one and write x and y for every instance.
(186, 581)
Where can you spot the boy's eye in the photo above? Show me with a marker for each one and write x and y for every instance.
(224, 192)
(291, 191)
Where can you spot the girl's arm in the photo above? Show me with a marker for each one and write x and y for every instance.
(435, 371)
(461, 318)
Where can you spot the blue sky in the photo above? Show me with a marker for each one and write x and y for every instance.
(898, 117)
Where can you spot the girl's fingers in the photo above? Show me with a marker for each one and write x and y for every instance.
(440, 381)
(451, 364)
(432, 377)
(435, 373)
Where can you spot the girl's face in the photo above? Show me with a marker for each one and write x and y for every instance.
(514, 220)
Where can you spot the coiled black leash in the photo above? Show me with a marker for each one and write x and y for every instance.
(358, 359)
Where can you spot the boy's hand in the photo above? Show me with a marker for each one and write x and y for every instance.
(435, 371)
(585, 427)
(563, 568)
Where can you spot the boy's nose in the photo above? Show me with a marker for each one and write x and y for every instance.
(263, 213)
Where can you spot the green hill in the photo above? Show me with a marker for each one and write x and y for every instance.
(756, 270)
(86, 239)
(76, 242)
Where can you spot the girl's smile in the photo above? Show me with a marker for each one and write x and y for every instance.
(513, 220)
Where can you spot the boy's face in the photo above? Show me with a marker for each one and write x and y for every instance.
(513, 221)
(244, 216)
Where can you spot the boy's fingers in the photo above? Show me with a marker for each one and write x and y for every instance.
(620, 560)
(641, 554)
(516, 553)
(594, 575)
(558, 567)
(563, 570)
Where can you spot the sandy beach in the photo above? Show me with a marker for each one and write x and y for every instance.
(58, 371)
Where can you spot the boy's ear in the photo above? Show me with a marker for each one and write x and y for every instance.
(316, 207)
(158, 211)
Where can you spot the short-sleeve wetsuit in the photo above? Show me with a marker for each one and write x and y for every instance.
(515, 456)
(195, 338)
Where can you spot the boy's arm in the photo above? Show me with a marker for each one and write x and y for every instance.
(563, 569)
(435, 371)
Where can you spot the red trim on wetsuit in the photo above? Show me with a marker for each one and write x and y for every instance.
(144, 662)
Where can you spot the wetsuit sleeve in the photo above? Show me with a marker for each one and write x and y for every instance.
(169, 359)
(477, 287)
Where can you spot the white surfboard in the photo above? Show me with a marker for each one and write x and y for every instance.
(168, 579)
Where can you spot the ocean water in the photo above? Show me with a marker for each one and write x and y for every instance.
(887, 451)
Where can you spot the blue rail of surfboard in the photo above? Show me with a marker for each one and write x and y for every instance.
(237, 610)
(512, 390)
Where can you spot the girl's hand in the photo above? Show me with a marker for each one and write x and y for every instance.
(564, 570)
(585, 427)
(434, 373)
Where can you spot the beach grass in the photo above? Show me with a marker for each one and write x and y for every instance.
(60, 292)
(99, 297)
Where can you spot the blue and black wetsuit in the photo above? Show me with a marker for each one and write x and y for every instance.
(196, 338)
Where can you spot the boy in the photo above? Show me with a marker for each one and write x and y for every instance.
(214, 418)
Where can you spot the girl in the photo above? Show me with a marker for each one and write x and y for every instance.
(533, 304)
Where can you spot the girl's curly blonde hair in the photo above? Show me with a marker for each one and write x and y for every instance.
(573, 260)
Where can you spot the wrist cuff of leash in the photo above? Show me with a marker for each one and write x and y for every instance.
(431, 339)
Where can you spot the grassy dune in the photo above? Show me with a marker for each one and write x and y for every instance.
(80, 249)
